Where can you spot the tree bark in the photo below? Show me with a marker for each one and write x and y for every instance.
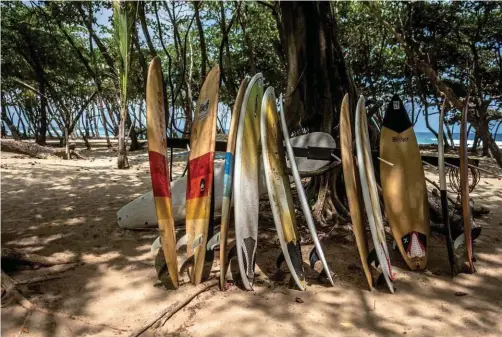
(13, 130)
(317, 81)
(248, 41)
(202, 41)
(144, 28)
(122, 161)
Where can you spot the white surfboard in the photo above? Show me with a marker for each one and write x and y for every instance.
(307, 212)
(140, 212)
(279, 189)
(370, 193)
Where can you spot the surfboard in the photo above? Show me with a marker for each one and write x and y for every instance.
(199, 193)
(351, 188)
(247, 173)
(403, 185)
(464, 184)
(159, 169)
(370, 195)
(298, 181)
(314, 139)
(444, 198)
(140, 212)
(228, 180)
(279, 189)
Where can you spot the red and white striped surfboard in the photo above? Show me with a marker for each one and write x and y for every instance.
(159, 169)
(200, 173)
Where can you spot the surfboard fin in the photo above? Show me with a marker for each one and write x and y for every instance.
(280, 260)
(181, 242)
(460, 240)
(372, 257)
(313, 259)
(156, 245)
(162, 270)
(214, 242)
(189, 262)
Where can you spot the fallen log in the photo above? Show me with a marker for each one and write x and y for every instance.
(37, 151)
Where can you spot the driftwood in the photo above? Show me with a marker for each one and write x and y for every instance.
(170, 311)
(12, 259)
(37, 151)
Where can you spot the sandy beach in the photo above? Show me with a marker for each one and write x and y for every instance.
(55, 207)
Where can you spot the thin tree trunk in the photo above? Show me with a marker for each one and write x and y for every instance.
(122, 161)
(248, 41)
(13, 130)
(202, 41)
(144, 28)
(103, 121)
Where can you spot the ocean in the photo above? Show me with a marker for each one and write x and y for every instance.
(428, 137)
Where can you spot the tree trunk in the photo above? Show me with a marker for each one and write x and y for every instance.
(248, 41)
(13, 130)
(103, 121)
(42, 130)
(202, 41)
(144, 28)
(317, 80)
(122, 162)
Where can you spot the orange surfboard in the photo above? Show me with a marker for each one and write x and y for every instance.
(159, 169)
(199, 192)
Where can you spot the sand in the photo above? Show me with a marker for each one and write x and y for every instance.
(55, 207)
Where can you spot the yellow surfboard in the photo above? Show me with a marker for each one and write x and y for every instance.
(159, 168)
(228, 180)
(279, 188)
(200, 173)
(351, 187)
(403, 185)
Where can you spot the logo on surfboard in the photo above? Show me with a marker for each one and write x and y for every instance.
(399, 139)
(395, 105)
(203, 109)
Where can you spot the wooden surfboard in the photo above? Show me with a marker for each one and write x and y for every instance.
(279, 189)
(403, 185)
(351, 187)
(444, 198)
(299, 186)
(464, 184)
(370, 195)
(228, 180)
(199, 191)
(247, 173)
(159, 168)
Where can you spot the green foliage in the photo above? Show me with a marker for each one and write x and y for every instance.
(124, 16)
(461, 40)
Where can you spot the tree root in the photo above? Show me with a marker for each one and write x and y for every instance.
(177, 306)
